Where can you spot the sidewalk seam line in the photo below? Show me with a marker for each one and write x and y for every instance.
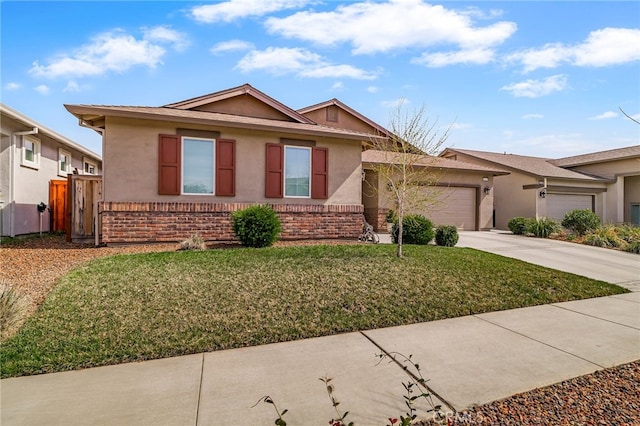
(593, 316)
(540, 341)
(437, 395)
(200, 390)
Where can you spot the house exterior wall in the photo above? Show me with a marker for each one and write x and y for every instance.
(377, 203)
(631, 195)
(345, 120)
(133, 211)
(23, 187)
(247, 106)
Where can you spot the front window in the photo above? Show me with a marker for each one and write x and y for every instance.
(297, 172)
(89, 167)
(30, 152)
(64, 162)
(197, 166)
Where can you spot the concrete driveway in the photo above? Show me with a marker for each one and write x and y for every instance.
(608, 265)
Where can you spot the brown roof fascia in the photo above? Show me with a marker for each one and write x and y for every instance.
(348, 109)
(245, 89)
(211, 119)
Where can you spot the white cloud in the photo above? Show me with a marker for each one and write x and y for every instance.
(554, 145)
(161, 34)
(338, 85)
(396, 103)
(605, 47)
(111, 51)
(461, 126)
(372, 27)
(231, 46)
(537, 88)
(532, 116)
(42, 89)
(440, 59)
(236, 9)
(72, 86)
(372, 89)
(604, 115)
(281, 61)
(12, 86)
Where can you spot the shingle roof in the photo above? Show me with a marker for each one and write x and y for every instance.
(385, 157)
(598, 157)
(536, 166)
(97, 112)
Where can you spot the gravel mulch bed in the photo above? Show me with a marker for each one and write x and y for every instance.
(606, 397)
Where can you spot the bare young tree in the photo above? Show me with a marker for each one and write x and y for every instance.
(403, 162)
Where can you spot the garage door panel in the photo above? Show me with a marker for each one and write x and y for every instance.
(559, 204)
(451, 206)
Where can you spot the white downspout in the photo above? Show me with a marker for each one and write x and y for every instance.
(12, 172)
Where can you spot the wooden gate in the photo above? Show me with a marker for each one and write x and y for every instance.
(83, 219)
(58, 205)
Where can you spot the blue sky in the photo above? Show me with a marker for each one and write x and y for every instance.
(534, 78)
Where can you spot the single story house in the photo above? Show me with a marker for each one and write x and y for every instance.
(605, 182)
(181, 169)
(459, 194)
(33, 158)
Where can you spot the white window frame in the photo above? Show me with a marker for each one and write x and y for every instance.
(213, 168)
(61, 172)
(35, 164)
(284, 171)
(87, 162)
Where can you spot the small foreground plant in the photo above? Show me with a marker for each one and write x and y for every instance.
(542, 227)
(581, 221)
(268, 400)
(194, 242)
(12, 310)
(339, 421)
(416, 229)
(446, 235)
(518, 225)
(256, 226)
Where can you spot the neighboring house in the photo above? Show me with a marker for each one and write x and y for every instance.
(182, 169)
(460, 194)
(31, 157)
(605, 182)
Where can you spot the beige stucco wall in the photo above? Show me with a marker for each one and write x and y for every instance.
(611, 169)
(374, 198)
(345, 120)
(246, 105)
(631, 195)
(131, 159)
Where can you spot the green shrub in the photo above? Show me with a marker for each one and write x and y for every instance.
(518, 225)
(416, 229)
(256, 226)
(446, 235)
(391, 216)
(194, 242)
(541, 227)
(12, 309)
(629, 233)
(580, 221)
(633, 247)
(605, 236)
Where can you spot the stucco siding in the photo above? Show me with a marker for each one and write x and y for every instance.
(611, 169)
(631, 195)
(132, 172)
(345, 120)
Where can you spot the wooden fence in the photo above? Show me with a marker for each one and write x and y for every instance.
(82, 215)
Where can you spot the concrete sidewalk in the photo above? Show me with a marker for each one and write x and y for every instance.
(468, 360)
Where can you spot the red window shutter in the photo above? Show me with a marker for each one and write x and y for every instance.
(225, 167)
(169, 173)
(275, 171)
(320, 173)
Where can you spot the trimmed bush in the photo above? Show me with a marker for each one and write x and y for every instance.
(605, 236)
(580, 221)
(446, 235)
(256, 226)
(542, 227)
(416, 229)
(518, 225)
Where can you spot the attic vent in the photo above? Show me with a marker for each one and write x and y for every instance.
(332, 113)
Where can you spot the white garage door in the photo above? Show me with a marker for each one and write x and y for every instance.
(559, 204)
(453, 206)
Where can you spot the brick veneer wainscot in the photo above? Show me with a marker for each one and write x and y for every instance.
(138, 222)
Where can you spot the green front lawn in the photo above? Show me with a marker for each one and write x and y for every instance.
(136, 307)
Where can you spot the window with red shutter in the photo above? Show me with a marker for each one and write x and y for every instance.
(274, 170)
(225, 167)
(169, 163)
(320, 173)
